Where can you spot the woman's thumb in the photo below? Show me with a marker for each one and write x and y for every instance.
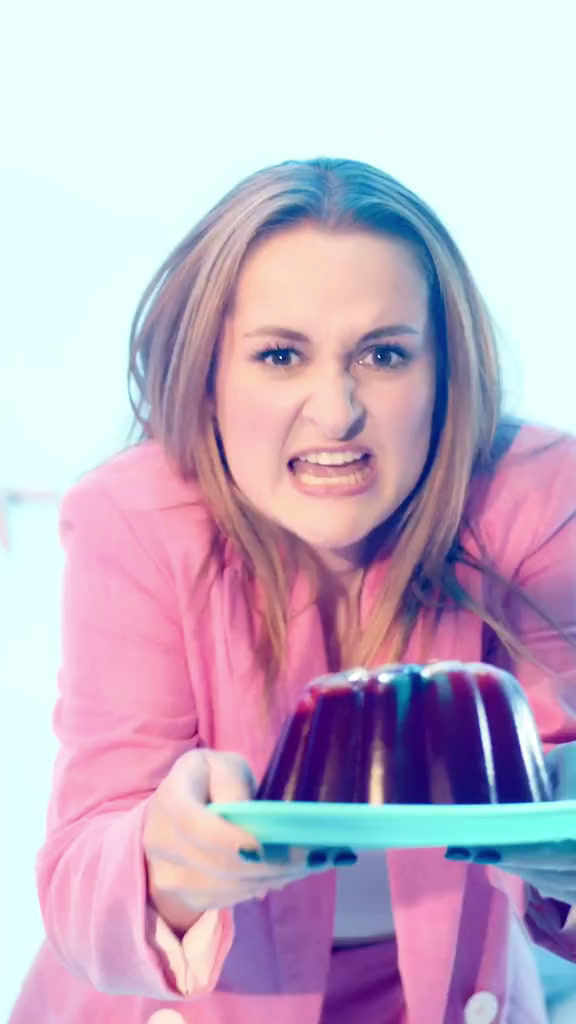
(561, 764)
(229, 777)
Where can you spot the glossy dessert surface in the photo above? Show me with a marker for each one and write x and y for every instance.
(446, 733)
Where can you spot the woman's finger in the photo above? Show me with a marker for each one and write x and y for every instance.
(561, 764)
(559, 856)
(555, 884)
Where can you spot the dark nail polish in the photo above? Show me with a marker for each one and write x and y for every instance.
(252, 855)
(316, 858)
(487, 857)
(276, 853)
(457, 853)
(344, 857)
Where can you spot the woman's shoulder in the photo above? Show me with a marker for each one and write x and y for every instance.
(139, 478)
(528, 490)
(527, 456)
(138, 492)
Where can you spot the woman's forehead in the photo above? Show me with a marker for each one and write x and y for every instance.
(366, 277)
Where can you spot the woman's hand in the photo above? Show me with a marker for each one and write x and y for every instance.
(194, 857)
(549, 867)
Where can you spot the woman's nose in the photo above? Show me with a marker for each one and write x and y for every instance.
(333, 405)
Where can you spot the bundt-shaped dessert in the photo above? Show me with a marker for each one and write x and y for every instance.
(447, 733)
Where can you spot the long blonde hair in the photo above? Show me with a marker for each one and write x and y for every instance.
(173, 350)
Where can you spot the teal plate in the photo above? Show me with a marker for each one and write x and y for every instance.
(390, 826)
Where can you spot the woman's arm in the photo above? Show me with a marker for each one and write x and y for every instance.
(125, 714)
(547, 574)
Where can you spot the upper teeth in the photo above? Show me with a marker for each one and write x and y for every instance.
(332, 458)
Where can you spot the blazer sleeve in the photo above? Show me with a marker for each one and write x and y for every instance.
(124, 715)
(547, 574)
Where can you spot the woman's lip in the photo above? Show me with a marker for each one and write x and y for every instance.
(357, 449)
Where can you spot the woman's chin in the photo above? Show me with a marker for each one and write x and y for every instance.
(337, 552)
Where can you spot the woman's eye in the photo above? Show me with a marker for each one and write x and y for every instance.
(385, 357)
(277, 356)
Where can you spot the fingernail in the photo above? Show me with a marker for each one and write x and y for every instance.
(252, 855)
(487, 857)
(457, 853)
(344, 857)
(276, 854)
(316, 858)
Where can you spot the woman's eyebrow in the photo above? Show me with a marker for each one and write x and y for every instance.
(289, 335)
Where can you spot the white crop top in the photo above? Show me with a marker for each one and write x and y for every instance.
(363, 908)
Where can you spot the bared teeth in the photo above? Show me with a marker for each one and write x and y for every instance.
(332, 458)
(310, 471)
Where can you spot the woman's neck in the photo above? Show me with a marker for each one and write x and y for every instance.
(338, 603)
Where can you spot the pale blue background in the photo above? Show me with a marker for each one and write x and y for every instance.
(121, 123)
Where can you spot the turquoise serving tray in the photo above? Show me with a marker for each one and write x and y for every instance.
(393, 826)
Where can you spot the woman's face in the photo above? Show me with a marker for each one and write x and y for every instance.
(325, 384)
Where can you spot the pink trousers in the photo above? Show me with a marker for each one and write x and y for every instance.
(364, 985)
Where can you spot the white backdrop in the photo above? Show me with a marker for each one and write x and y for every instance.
(121, 123)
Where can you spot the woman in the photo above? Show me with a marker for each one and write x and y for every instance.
(324, 478)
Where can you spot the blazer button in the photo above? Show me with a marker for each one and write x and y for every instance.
(481, 1008)
(166, 1017)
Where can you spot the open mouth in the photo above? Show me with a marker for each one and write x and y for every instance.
(337, 471)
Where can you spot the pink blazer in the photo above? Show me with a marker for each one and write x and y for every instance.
(154, 664)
